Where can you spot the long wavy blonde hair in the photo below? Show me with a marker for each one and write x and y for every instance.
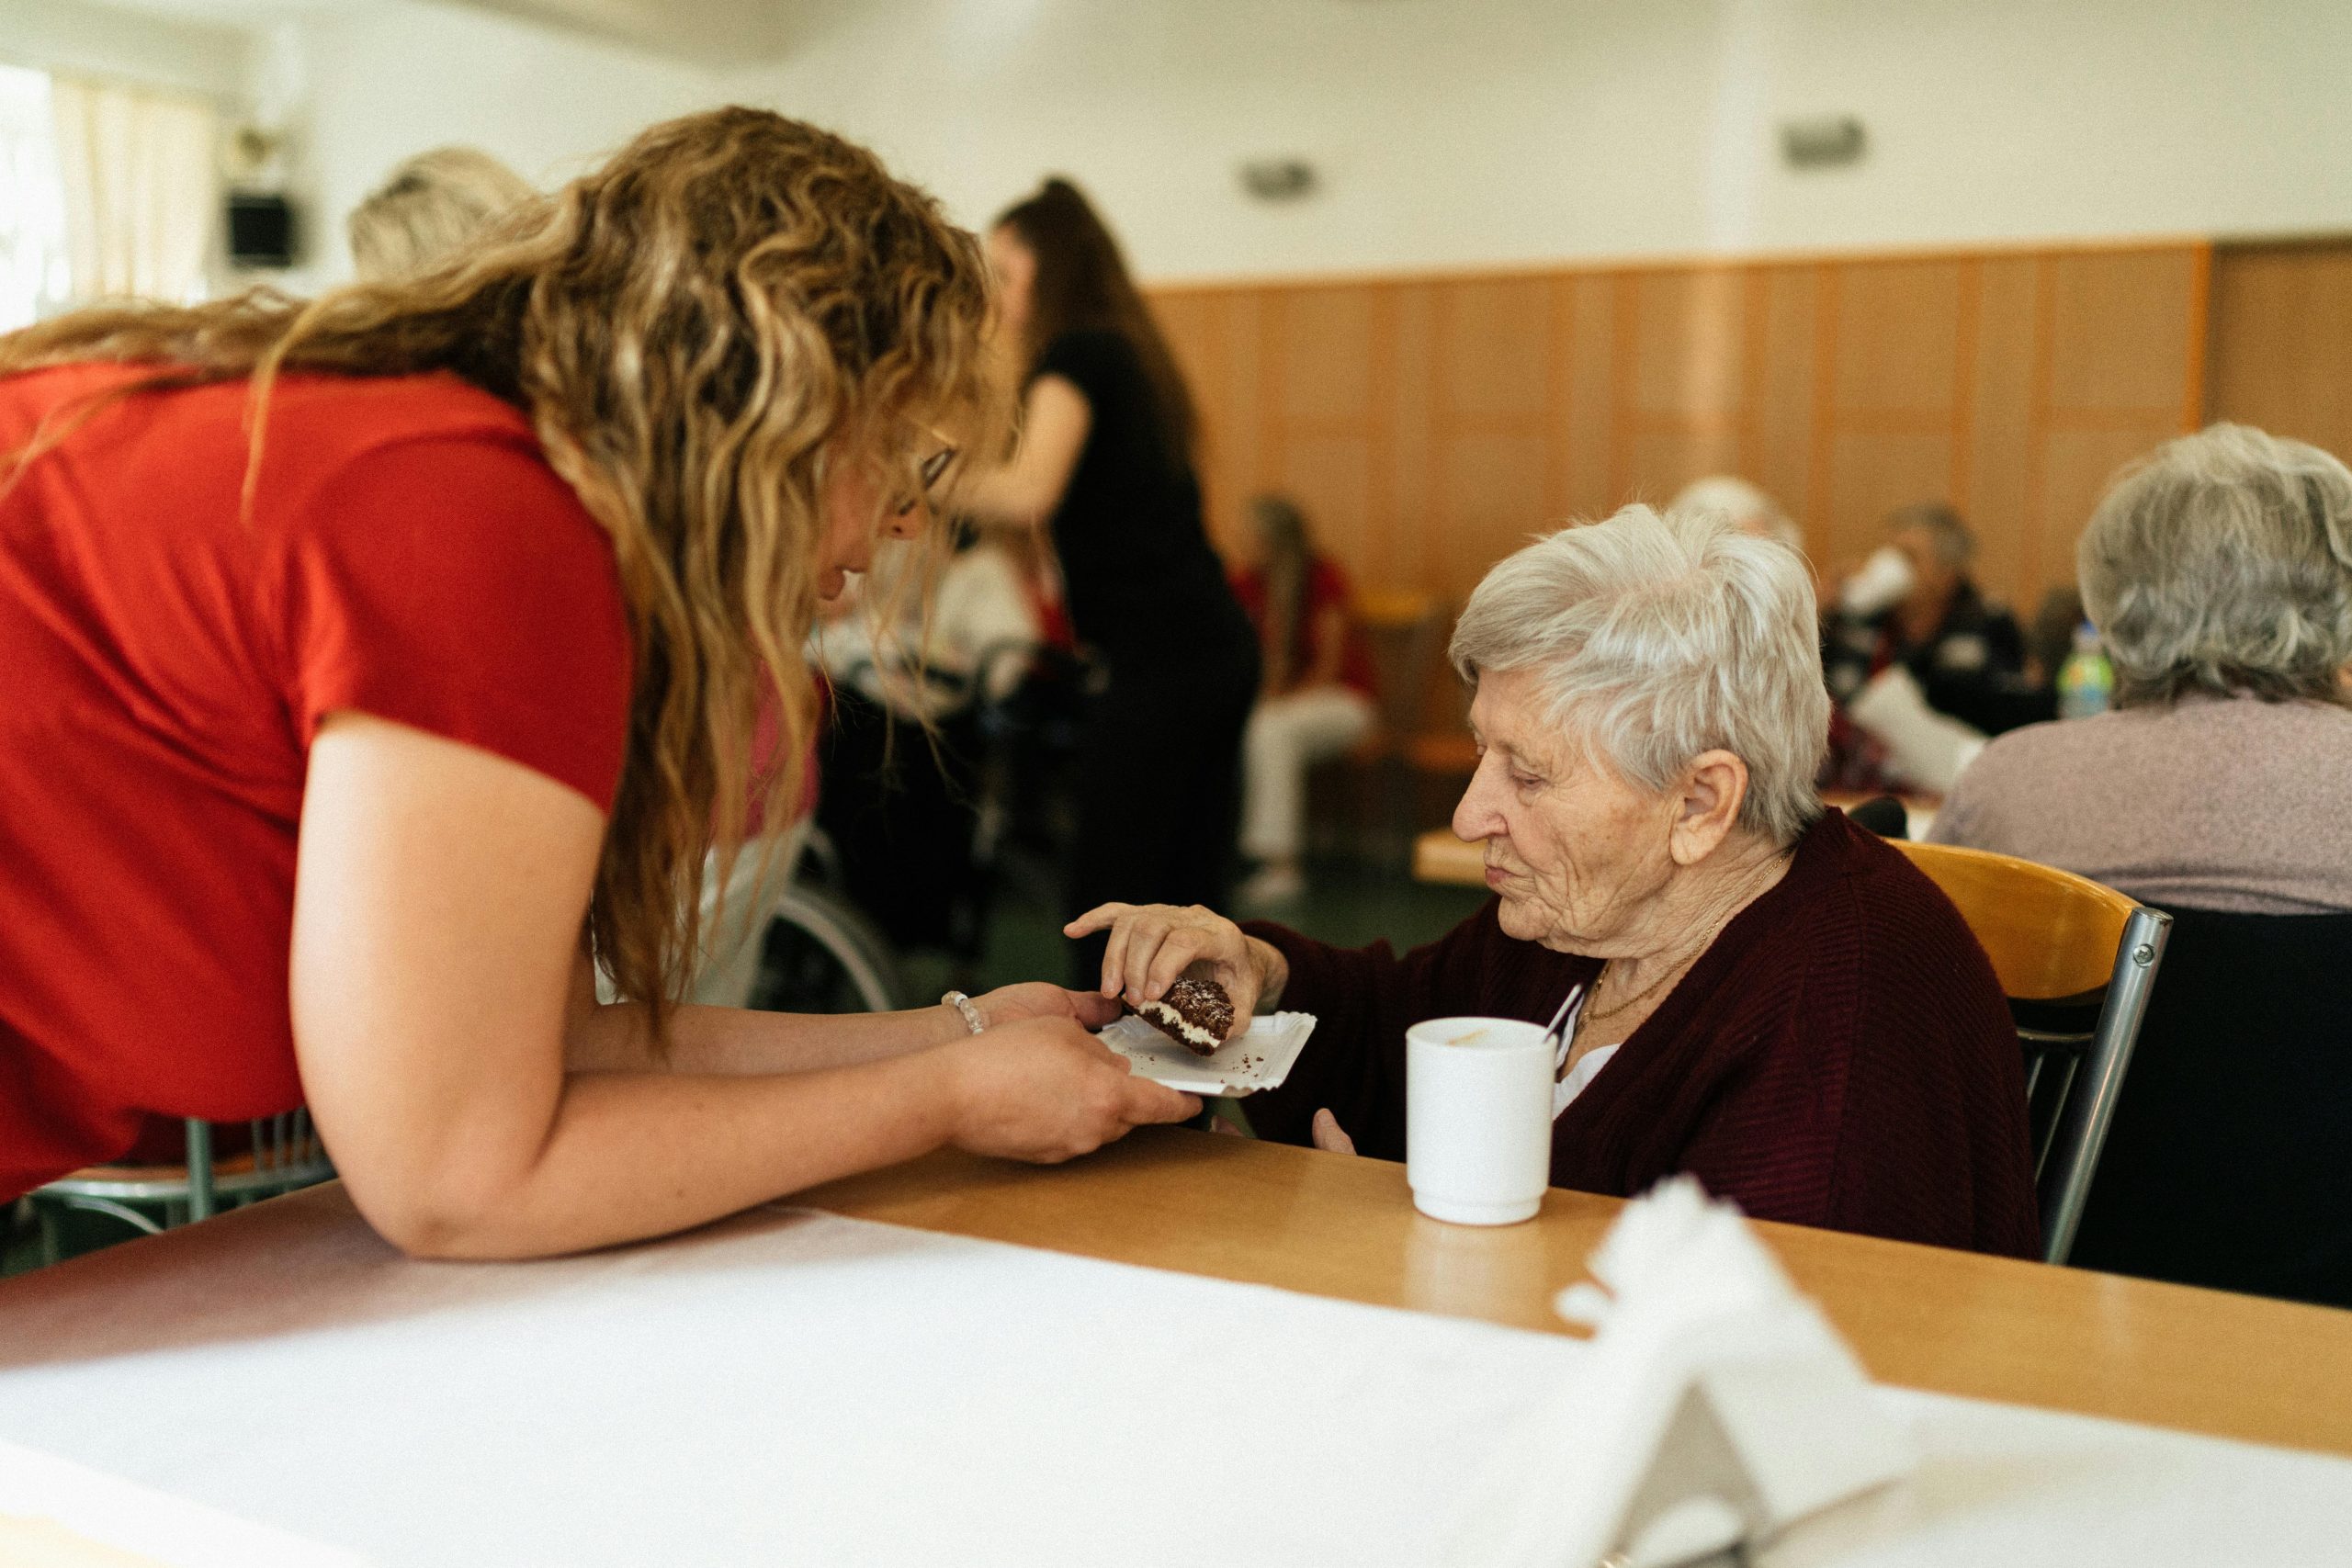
(705, 333)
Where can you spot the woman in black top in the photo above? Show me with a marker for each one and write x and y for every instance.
(1106, 459)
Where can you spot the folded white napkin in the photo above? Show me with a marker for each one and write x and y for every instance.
(1718, 1405)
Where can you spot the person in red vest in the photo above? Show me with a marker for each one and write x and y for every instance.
(1773, 999)
(1316, 698)
(382, 667)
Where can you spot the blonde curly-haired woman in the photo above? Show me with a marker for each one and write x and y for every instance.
(383, 666)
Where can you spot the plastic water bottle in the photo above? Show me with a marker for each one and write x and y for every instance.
(2086, 678)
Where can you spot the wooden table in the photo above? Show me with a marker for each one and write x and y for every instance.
(1926, 1317)
(1334, 1226)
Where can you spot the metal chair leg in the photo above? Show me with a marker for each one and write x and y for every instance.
(200, 1170)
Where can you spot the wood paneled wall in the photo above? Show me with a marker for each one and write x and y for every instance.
(1429, 425)
(2282, 354)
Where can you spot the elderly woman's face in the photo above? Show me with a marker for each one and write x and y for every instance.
(1574, 850)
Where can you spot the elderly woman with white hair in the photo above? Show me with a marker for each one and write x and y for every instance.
(2219, 574)
(1778, 1003)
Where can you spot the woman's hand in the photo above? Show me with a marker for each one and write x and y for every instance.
(1045, 1090)
(1154, 945)
(1038, 998)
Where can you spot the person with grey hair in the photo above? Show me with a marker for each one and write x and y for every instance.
(1773, 999)
(428, 206)
(1913, 619)
(2219, 573)
(1750, 510)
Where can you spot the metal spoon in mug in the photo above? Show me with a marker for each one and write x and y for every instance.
(1557, 1037)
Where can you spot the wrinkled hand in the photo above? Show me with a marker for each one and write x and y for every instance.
(1039, 999)
(1329, 1136)
(1154, 945)
(1044, 1090)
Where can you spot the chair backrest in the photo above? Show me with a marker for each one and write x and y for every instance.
(2056, 937)
(2051, 934)
(2226, 1165)
(1403, 631)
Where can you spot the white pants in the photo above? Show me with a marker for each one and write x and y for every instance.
(1286, 736)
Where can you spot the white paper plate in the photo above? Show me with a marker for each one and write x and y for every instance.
(1260, 1059)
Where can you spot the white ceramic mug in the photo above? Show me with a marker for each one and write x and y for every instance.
(1477, 1118)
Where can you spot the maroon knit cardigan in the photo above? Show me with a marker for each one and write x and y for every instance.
(1841, 1056)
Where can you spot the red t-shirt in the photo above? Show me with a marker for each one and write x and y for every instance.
(410, 554)
(1326, 588)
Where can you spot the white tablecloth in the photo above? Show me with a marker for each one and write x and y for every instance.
(801, 1388)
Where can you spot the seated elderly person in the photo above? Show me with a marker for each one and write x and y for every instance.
(1922, 666)
(1779, 1003)
(2219, 574)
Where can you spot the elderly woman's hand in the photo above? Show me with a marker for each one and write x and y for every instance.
(1329, 1136)
(1154, 945)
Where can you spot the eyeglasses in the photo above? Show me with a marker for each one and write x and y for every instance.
(934, 468)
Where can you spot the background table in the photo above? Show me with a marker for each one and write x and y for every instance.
(1439, 856)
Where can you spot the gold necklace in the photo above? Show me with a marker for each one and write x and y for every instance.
(1596, 1014)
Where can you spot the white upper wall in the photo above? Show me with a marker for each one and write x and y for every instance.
(194, 54)
(1449, 132)
(1461, 132)
(390, 78)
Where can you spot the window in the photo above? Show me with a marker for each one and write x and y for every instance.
(33, 276)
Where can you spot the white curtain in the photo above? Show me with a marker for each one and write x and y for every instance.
(33, 279)
(141, 193)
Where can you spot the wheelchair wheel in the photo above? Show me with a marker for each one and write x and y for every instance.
(823, 955)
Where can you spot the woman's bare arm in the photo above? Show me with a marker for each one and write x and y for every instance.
(736, 1042)
(1054, 422)
(439, 892)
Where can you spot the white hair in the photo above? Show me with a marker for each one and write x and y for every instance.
(2222, 562)
(1658, 638)
(1750, 510)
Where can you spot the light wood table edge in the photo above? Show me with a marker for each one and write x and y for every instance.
(1995, 1328)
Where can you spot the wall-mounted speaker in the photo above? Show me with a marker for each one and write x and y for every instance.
(1824, 141)
(261, 230)
(1278, 179)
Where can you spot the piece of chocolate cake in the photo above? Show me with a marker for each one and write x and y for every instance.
(1196, 1014)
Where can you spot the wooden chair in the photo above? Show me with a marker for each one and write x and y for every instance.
(1404, 632)
(2057, 938)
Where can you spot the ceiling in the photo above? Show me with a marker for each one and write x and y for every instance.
(710, 31)
(713, 31)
